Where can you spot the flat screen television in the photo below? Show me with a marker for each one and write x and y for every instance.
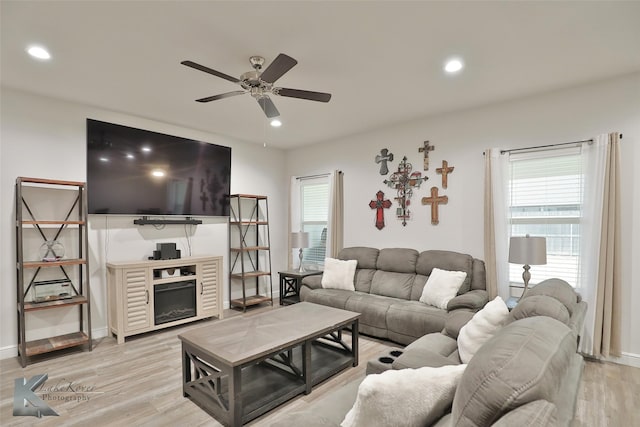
(138, 172)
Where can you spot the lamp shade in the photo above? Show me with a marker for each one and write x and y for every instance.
(528, 250)
(300, 239)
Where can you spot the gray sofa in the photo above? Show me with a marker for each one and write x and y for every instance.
(388, 284)
(527, 374)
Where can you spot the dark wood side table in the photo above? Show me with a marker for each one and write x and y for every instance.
(290, 282)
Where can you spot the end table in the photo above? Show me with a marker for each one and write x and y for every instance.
(290, 281)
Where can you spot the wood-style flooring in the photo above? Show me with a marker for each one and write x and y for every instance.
(139, 383)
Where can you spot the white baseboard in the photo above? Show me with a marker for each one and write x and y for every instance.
(12, 350)
(629, 359)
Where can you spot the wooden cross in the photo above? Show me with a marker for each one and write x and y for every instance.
(425, 149)
(380, 204)
(444, 171)
(434, 200)
(382, 158)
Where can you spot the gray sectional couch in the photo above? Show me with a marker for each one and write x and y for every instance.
(527, 374)
(388, 285)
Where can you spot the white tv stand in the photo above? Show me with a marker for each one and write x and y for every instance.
(132, 285)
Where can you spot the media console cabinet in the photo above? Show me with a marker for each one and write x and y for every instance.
(149, 295)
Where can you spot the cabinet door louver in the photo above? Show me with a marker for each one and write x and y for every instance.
(137, 313)
(209, 288)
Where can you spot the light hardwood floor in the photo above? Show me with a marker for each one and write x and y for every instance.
(139, 384)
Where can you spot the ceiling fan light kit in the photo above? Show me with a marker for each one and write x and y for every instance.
(259, 84)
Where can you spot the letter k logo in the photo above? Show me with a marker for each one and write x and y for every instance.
(25, 402)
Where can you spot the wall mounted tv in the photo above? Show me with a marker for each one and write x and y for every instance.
(137, 172)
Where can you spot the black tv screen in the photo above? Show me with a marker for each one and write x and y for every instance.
(137, 172)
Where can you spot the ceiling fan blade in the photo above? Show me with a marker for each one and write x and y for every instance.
(268, 107)
(210, 71)
(302, 94)
(221, 96)
(277, 68)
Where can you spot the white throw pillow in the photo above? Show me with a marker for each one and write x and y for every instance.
(404, 397)
(481, 327)
(441, 287)
(339, 274)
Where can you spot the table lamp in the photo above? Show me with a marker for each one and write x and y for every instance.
(527, 250)
(300, 240)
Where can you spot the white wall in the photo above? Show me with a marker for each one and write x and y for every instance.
(460, 137)
(44, 137)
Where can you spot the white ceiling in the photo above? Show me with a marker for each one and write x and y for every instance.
(382, 61)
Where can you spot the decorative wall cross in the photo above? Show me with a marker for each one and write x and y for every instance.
(380, 204)
(404, 181)
(383, 158)
(426, 147)
(444, 171)
(434, 201)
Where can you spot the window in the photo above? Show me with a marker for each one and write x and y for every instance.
(314, 214)
(545, 199)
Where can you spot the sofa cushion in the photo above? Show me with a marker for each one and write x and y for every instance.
(441, 287)
(411, 397)
(446, 260)
(539, 305)
(558, 289)
(363, 279)
(435, 342)
(373, 309)
(481, 328)
(389, 284)
(455, 321)
(525, 362)
(399, 260)
(408, 320)
(331, 297)
(339, 274)
(366, 257)
(419, 358)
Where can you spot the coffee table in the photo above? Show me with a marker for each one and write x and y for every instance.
(239, 368)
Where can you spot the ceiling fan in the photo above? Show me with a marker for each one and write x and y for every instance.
(259, 83)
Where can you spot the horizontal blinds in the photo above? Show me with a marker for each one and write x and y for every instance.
(545, 195)
(314, 214)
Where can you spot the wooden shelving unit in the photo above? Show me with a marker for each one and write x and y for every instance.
(249, 244)
(72, 271)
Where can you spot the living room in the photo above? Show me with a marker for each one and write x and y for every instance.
(44, 134)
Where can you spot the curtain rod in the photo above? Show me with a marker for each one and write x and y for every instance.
(321, 175)
(546, 146)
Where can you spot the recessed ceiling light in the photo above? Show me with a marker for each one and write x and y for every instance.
(104, 159)
(276, 123)
(130, 156)
(146, 149)
(159, 173)
(453, 65)
(39, 52)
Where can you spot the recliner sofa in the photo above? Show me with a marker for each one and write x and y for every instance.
(388, 285)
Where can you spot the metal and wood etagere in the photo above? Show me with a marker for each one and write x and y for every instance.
(250, 251)
(73, 272)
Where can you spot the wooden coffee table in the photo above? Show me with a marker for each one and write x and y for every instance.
(237, 369)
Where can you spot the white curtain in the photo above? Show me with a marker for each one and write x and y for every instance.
(294, 216)
(496, 223)
(599, 269)
(335, 226)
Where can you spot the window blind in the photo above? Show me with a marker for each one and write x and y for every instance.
(545, 199)
(314, 205)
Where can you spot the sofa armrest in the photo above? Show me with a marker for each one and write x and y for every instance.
(313, 282)
(539, 413)
(474, 300)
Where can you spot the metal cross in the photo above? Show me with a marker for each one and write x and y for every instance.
(380, 204)
(403, 181)
(425, 149)
(434, 201)
(444, 171)
(383, 158)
